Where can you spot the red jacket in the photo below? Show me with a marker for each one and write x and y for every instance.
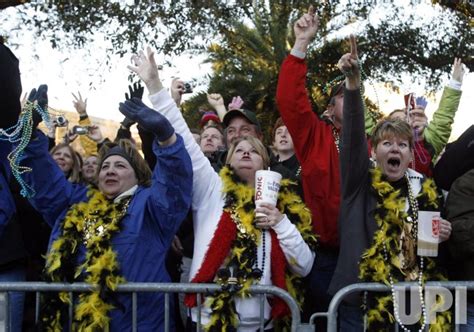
(315, 149)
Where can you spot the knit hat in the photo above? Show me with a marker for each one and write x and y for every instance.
(118, 151)
(209, 116)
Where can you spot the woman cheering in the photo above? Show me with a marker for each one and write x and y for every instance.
(117, 233)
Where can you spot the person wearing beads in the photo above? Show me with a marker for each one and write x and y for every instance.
(12, 249)
(432, 137)
(379, 214)
(117, 233)
(231, 246)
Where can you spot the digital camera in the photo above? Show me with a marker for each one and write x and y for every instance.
(60, 121)
(79, 130)
(188, 87)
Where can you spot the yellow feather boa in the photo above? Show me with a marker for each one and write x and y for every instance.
(240, 201)
(91, 223)
(389, 216)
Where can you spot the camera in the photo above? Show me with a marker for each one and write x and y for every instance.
(60, 121)
(188, 87)
(79, 130)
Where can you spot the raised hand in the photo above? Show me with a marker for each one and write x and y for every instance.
(70, 136)
(458, 70)
(80, 104)
(145, 67)
(215, 100)
(305, 29)
(147, 118)
(236, 103)
(95, 134)
(349, 65)
(418, 120)
(177, 90)
(39, 96)
(136, 91)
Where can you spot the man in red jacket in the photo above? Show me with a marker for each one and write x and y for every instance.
(316, 146)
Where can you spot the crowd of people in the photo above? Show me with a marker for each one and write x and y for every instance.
(183, 208)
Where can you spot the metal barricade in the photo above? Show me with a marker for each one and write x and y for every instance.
(332, 312)
(134, 288)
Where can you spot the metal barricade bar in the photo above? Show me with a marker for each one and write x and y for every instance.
(134, 288)
(332, 312)
(4, 311)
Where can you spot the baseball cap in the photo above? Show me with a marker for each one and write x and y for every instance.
(249, 115)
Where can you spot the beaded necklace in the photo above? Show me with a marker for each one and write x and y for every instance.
(20, 133)
(412, 218)
(234, 245)
(377, 261)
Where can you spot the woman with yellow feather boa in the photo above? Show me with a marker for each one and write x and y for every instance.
(116, 233)
(379, 215)
(231, 247)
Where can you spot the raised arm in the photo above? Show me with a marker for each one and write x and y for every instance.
(292, 98)
(89, 146)
(171, 190)
(217, 102)
(205, 179)
(354, 160)
(439, 129)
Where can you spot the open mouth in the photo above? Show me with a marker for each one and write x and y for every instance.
(110, 181)
(283, 142)
(394, 162)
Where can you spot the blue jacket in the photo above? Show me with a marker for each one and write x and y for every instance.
(7, 205)
(152, 219)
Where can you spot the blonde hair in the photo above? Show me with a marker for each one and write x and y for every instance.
(139, 165)
(74, 175)
(392, 128)
(256, 144)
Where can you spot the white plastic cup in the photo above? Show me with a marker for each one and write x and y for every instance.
(428, 233)
(267, 185)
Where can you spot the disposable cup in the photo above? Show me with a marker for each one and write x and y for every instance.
(267, 185)
(428, 233)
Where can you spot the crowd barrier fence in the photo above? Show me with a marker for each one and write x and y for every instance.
(202, 289)
(332, 314)
(134, 288)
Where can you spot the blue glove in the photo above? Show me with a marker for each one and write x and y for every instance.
(147, 118)
(41, 97)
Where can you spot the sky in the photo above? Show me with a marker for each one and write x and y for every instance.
(104, 87)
